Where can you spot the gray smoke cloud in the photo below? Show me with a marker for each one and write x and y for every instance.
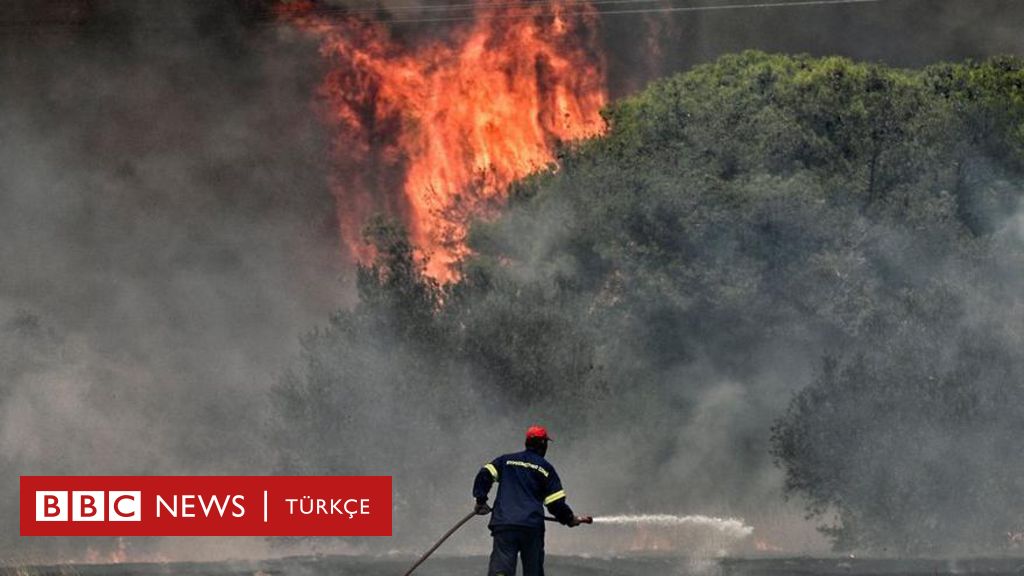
(901, 33)
(166, 234)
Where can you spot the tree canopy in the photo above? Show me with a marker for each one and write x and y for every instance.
(756, 227)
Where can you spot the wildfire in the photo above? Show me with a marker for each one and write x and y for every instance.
(432, 129)
(762, 545)
(116, 555)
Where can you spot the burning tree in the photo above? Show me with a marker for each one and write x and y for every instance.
(670, 286)
(432, 130)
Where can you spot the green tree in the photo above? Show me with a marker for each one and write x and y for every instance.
(737, 223)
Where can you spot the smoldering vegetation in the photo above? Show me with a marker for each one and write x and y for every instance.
(636, 565)
(374, 566)
(754, 227)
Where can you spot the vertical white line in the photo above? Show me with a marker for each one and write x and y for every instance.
(264, 506)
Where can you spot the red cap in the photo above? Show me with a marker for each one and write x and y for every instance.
(537, 432)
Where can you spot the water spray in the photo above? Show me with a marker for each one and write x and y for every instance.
(729, 526)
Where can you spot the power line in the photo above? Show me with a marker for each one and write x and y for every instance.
(478, 5)
(652, 9)
(485, 5)
(513, 4)
(762, 6)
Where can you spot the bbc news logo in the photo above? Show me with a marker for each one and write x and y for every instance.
(88, 506)
(205, 506)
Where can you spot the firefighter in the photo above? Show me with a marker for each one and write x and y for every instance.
(526, 484)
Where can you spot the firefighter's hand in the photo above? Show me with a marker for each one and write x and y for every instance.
(577, 520)
(482, 508)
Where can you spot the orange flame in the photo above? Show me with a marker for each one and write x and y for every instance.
(434, 130)
(116, 555)
(762, 545)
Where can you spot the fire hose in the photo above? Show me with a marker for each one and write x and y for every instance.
(581, 519)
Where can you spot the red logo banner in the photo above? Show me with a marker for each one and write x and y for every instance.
(205, 506)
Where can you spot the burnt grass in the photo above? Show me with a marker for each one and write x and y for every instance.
(558, 565)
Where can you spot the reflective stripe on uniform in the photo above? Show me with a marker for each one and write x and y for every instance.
(554, 497)
(492, 470)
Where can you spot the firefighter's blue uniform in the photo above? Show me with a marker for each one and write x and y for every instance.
(526, 484)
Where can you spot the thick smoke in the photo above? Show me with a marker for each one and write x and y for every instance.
(166, 234)
(899, 33)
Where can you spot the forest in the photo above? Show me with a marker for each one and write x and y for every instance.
(806, 265)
